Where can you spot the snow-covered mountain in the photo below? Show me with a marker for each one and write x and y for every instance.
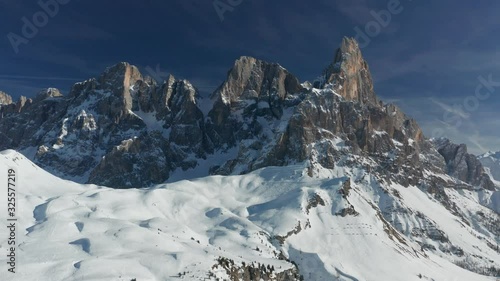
(125, 130)
(5, 99)
(270, 177)
(276, 223)
(491, 161)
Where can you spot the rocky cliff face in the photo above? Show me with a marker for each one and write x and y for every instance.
(462, 165)
(5, 99)
(253, 89)
(103, 130)
(8, 106)
(124, 130)
(349, 75)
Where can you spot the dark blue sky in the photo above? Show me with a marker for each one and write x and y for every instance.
(428, 57)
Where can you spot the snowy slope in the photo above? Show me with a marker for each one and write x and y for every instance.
(491, 163)
(70, 231)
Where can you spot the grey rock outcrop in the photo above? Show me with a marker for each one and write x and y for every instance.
(5, 99)
(462, 165)
(253, 89)
(8, 106)
(5, 102)
(343, 107)
(349, 74)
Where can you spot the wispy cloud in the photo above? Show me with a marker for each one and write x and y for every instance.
(475, 129)
(18, 88)
(357, 11)
(455, 110)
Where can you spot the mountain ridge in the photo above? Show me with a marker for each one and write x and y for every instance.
(261, 112)
(365, 159)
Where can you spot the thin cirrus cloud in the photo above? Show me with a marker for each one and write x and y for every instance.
(458, 111)
(356, 11)
(446, 118)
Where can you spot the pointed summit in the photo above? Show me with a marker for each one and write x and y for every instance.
(253, 78)
(47, 93)
(122, 74)
(349, 74)
(254, 88)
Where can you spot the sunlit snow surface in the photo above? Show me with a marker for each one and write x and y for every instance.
(69, 231)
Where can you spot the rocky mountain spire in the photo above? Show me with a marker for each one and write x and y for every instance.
(119, 79)
(8, 106)
(251, 78)
(349, 74)
(462, 165)
(254, 87)
(5, 99)
(47, 93)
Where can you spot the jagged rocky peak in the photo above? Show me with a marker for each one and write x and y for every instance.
(47, 93)
(173, 96)
(22, 103)
(253, 88)
(130, 128)
(462, 165)
(399, 120)
(5, 98)
(349, 74)
(119, 79)
(251, 78)
(8, 106)
(140, 93)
